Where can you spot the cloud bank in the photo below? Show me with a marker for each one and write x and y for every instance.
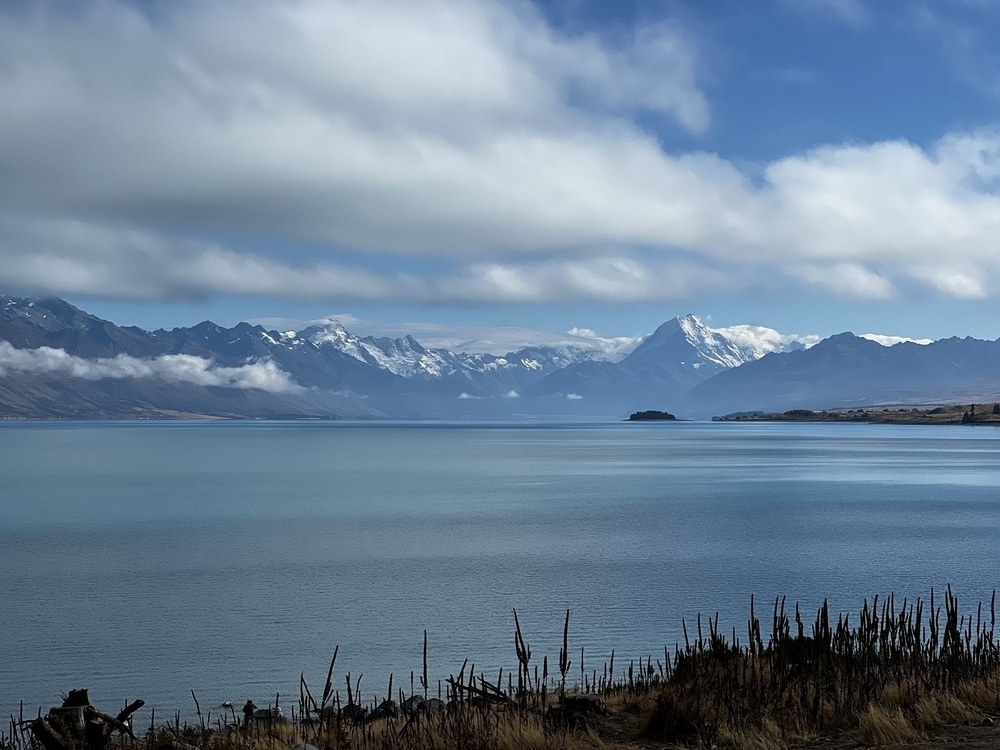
(438, 153)
(169, 368)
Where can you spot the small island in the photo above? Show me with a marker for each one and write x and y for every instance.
(650, 416)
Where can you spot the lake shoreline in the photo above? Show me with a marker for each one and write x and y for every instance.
(937, 415)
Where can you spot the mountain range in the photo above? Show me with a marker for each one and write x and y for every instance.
(57, 361)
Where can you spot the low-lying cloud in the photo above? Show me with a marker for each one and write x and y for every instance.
(168, 368)
(762, 340)
(886, 340)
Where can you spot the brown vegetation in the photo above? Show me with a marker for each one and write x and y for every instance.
(891, 677)
(895, 675)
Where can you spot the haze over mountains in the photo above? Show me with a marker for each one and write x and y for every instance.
(58, 361)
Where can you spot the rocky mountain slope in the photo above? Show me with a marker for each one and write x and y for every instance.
(850, 371)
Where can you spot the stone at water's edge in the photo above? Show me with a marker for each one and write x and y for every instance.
(412, 704)
(385, 710)
(432, 706)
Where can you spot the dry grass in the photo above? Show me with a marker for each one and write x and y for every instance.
(768, 736)
(470, 729)
(884, 725)
(888, 676)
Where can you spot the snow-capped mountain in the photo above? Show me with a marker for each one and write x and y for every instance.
(322, 369)
(726, 347)
(404, 356)
(57, 360)
(686, 341)
(485, 374)
(677, 356)
(496, 340)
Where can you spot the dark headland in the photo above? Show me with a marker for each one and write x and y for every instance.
(950, 414)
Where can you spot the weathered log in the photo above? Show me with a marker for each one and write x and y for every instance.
(493, 695)
(77, 725)
(130, 709)
(49, 738)
(70, 717)
(98, 734)
(77, 698)
(92, 713)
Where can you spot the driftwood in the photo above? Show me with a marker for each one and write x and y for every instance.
(77, 725)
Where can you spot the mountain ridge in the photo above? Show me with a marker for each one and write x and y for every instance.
(58, 360)
(846, 370)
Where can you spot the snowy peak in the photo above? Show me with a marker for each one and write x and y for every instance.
(712, 345)
(408, 358)
(688, 342)
(404, 357)
(686, 339)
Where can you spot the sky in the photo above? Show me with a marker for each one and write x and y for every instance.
(814, 166)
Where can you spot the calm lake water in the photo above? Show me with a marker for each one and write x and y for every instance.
(147, 559)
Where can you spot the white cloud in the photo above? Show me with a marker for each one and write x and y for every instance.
(613, 348)
(573, 397)
(356, 123)
(169, 368)
(762, 340)
(469, 134)
(885, 340)
(850, 280)
(952, 282)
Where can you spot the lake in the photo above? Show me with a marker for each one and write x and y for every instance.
(143, 560)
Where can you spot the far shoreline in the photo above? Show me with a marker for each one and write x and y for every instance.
(972, 414)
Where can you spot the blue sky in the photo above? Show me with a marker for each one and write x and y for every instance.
(810, 165)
